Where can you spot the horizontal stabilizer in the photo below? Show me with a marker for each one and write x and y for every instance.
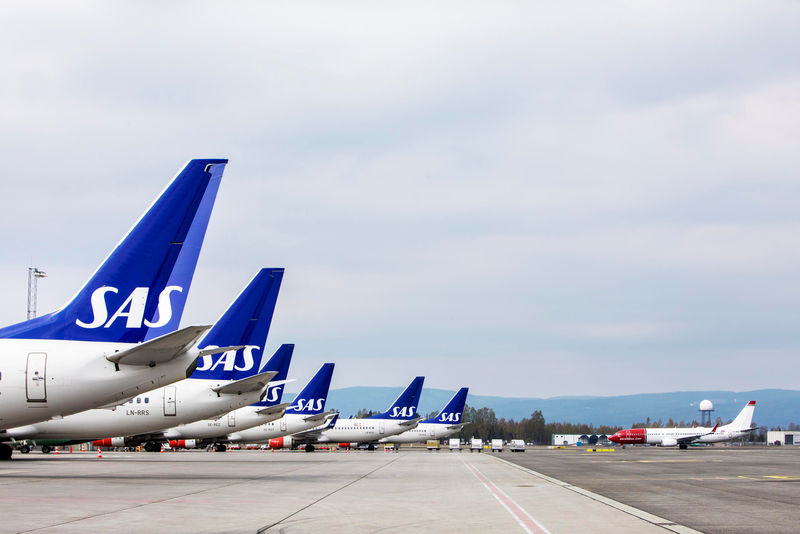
(245, 385)
(320, 416)
(411, 422)
(218, 350)
(271, 410)
(161, 349)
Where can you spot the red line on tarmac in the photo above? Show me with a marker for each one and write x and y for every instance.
(526, 521)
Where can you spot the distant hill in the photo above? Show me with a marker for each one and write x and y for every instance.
(775, 406)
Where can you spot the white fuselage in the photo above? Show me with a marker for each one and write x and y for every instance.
(241, 419)
(42, 379)
(657, 436)
(423, 432)
(362, 430)
(290, 423)
(186, 401)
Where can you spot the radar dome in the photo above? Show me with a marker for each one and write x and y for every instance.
(706, 406)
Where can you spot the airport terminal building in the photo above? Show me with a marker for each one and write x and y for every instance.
(783, 437)
(579, 439)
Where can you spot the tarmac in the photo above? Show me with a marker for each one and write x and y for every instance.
(720, 489)
(292, 492)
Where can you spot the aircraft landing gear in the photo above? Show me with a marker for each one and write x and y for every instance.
(220, 447)
(309, 448)
(5, 451)
(25, 449)
(151, 447)
(46, 449)
(371, 447)
(683, 446)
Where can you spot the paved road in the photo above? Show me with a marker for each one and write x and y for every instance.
(291, 493)
(716, 490)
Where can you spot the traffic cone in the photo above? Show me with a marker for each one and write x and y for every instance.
(81, 447)
(56, 451)
(70, 449)
(99, 454)
(162, 449)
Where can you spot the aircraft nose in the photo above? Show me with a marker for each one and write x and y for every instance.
(614, 438)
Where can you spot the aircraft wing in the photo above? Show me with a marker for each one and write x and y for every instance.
(161, 349)
(251, 383)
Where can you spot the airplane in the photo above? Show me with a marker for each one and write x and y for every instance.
(207, 432)
(306, 411)
(218, 385)
(401, 416)
(682, 437)
(443, 425)
(117, 337)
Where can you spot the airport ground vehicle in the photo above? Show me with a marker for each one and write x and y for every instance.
(497, 445)
(516, 445)
(433, 445)
(454, 444)
(476, 444)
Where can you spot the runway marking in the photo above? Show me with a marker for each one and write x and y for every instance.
(641, 514)
(525, 520)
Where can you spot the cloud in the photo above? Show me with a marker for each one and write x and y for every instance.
(524, 198)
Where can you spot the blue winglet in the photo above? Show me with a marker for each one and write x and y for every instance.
(143, 283)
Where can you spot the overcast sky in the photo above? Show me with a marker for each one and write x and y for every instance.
(526, 198)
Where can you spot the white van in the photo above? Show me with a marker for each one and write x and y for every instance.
(455, 444)
(476, 445)
(497, 445)
(516, 445)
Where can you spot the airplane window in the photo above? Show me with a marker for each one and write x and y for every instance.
(147, 400)
(138, 400)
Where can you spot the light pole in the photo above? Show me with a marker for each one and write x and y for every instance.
(33, 277)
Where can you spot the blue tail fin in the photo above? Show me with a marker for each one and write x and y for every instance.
(453, 410)
(245, 322)
(312, 399)
(405, 407)
(140, 289)
(279, 362)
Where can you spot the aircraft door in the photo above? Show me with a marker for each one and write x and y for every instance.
(170, 407)
(232, 419)
(433, 431)
(283, 424)
(35, 377)
(381, 429)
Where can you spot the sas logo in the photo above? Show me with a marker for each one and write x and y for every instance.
(404, 411)
(274, 394)
(132, 309)
(451, 417)
(308, 405)
(228, 360)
